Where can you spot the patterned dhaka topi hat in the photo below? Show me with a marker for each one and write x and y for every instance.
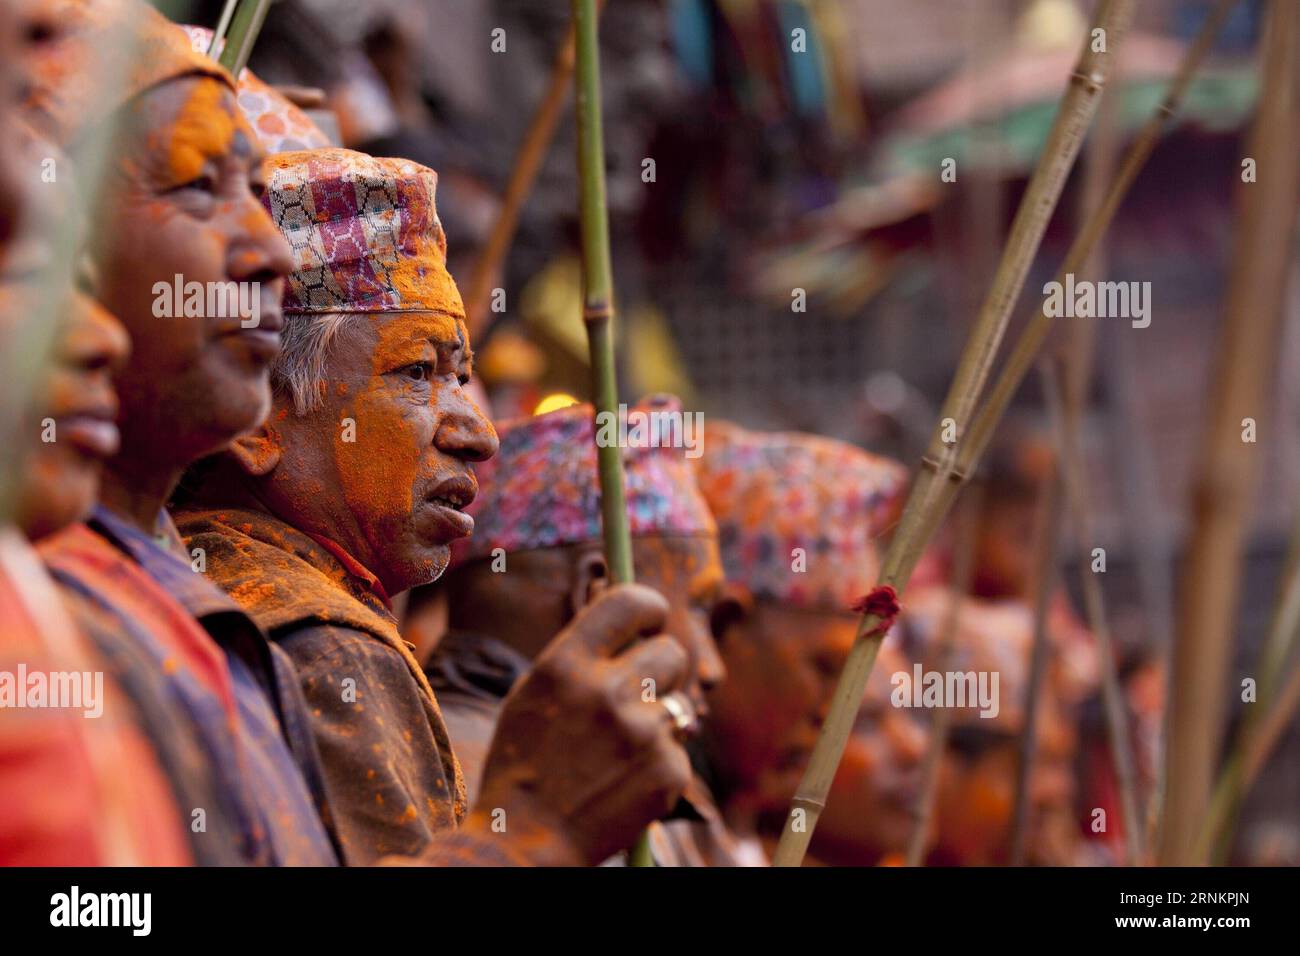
(542, 489)
(281, 127)
(364, 231)
(774, 492)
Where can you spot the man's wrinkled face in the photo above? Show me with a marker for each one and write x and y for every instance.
(183, 201)
(687, 571)
(872, 804)
(383, 466)
(782, 665)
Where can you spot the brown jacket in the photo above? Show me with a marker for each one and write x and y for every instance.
(391, 778)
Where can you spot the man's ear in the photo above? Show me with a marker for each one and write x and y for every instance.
(590, 576)
(731, 610)
(258, 452)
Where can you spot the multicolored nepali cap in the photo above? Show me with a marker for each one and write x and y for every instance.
(101, 55)
(542, 489)
(281, 127)
(364, 231)
(798, 515)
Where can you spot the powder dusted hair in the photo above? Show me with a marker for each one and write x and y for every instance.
(299, 371)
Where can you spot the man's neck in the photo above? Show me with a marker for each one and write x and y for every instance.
(138, 498)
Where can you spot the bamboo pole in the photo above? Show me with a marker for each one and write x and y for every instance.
(1233, 782)
(1231, 787)
(1242, 769)
(245, 25)
(962, 572)
(1078, 351)
(1227, 468)
(523, 175)
(1070, 460)
(223, 24)
(938, 479)
(598, 309)
(1256, 736)
(1031, 339)
(1047, 567)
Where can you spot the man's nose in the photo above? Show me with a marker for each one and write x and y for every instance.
(465, 431)
(709, 668)
(259, 253)
(94, 338)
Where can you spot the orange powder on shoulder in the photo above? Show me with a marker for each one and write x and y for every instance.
(203, 130)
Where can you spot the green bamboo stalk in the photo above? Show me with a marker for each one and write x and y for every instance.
(939, 478)
(1226, 469)
(245, 25)
(598, 309)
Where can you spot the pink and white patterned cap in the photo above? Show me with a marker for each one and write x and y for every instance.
(542, 489)
(364, 231)
(281, 127)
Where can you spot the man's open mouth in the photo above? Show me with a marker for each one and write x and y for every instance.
(455, 493)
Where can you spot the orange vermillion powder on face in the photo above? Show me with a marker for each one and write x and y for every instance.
(202, 130)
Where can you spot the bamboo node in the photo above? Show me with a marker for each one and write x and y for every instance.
(954, 473)
(814, 802)
(1093, 81)
(597, 311)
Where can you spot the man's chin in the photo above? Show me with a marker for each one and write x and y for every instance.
(429, 566)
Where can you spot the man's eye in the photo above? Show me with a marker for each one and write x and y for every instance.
(419, 371)
(203, 184)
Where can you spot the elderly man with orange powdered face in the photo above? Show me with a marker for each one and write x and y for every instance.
(797, 517)
(354, 490)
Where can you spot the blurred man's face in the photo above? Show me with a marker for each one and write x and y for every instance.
(68, 428)
(1005, 550)
(976, 797)
(782, 665)
(870, 812)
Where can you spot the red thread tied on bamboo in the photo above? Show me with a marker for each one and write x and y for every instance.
(881, 601)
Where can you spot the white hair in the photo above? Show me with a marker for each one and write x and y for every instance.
(299, 371)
